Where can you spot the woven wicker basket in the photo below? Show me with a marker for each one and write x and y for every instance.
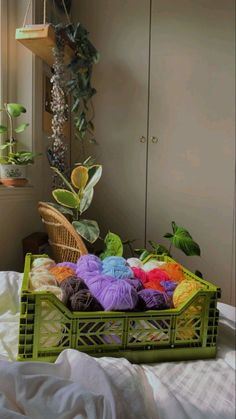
(65, 242)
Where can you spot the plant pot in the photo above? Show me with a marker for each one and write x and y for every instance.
(41, 39)
(13, 175)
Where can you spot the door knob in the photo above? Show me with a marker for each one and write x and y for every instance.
(142, 139)
(154, 140)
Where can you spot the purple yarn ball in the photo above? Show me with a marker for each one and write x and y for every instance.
(135, 283)
(88, 266)
(153, 299)
(119, 296)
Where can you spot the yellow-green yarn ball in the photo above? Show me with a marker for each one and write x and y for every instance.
(184, 290)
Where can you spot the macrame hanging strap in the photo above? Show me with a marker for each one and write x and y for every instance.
(67, 15)
(26, 13)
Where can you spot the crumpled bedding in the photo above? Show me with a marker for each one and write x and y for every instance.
(78, 386)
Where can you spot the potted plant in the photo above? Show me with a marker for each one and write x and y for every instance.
(13, 163)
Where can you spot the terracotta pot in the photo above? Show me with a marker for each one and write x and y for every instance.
(13, 175)
(14, 182)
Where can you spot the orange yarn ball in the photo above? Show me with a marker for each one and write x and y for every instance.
(62, 272)
(154, 285)
(174, 270)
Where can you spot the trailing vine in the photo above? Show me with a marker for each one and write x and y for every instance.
(80, 84)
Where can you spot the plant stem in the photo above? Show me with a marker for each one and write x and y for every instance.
(170, 248)
(12, 141)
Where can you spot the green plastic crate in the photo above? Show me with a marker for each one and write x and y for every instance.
(47, 327)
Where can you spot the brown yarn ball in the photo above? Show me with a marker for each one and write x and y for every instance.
(83, 300)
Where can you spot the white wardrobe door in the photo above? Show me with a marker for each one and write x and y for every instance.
(192, 111)
(120, 31)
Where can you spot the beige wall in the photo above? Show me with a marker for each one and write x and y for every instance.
(18, 207)
(191, 168)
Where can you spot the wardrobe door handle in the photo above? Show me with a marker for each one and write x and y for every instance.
(154, 140)
(142, 139)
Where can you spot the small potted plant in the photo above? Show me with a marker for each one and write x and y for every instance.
(14, 163)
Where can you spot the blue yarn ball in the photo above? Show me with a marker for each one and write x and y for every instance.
(117, 267)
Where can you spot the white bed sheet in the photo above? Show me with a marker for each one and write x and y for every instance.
(78, 386)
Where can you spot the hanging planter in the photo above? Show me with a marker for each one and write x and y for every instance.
(68, 50)
(41, 39)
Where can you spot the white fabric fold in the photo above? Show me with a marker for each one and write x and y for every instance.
(78, 386)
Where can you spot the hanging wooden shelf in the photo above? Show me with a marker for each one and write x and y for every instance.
(40, 39)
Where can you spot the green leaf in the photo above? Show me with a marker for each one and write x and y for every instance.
(66, 182)
(182, 240)
(94, 172)
(88, 229)
(21, 128)
(63, 210)
(144, 254)
(15, 109)
(66, 198)
(86, 200)
(114, 246)
(159, 249)
(3, 129)
(4, 146)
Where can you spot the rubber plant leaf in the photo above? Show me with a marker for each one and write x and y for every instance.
(3, 129)
(15, 109)
(66, 182)
(21, 128)
(114, 246)
(88, 229)
(94, 173)
(86, 200)
(63, 210)
(182, 240)
(79, 177)
(66, 198)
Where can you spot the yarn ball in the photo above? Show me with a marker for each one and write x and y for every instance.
(83, 300)
(118, 296)
(39, 279)
(154, 278)
(88, 266)
(185, 290)
(117, 267)
(68, 265)
(54, 290)
(169, 285)
(152, 264)
(43, 262)
(157, 275)
(139, 273)
(174, 270)
(136, 283)
(72, 284)
(134, 263)
(61, 273)
(39, 269)
(154, 285)
(153, 299)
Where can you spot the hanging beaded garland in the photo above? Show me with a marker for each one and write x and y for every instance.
(57, 150)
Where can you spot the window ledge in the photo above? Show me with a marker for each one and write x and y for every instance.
(12, 192)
